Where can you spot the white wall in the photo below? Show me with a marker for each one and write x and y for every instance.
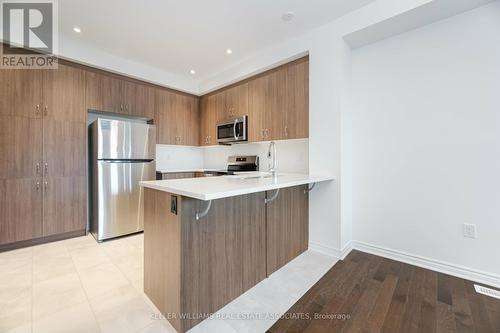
(426, 140)
(293, 155)
(170, 157)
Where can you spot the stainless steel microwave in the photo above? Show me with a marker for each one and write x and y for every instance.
(233, 130)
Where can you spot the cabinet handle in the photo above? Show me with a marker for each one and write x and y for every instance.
(46, 167)
(38, 186)
(45, 186)
(37, 109)
(262, 135)
(121, 107)
(267, 133)
(45, 110)
(38, 168)
(286, 131)
(126, 107)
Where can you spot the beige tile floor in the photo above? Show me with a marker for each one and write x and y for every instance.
(79, 285)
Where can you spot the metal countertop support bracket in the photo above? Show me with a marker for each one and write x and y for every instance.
(309, 189)
(204, 212)
(275, 195)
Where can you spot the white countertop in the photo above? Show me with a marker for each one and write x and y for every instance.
(211, 188)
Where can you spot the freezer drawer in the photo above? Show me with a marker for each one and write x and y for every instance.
(118, 199)
(125, 140)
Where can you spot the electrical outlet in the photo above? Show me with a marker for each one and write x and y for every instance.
(469, 230)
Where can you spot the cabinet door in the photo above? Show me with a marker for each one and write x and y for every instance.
(20, 147)
(64, 94)
(165, 118)
(20, 209)
(104, 93)
(266, 106)
(287, 226)
(296, 124)
(20, 178)
(21, 92)
(143, 104)
(65, 180)
(208, 120)
(236, 101)
(192, 126)
(64, 204)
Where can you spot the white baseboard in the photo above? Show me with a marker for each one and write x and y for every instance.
(331, 251)
(432, 264)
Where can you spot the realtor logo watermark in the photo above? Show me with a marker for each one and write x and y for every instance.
(29, 34)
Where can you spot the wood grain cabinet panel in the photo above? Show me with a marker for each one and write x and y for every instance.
(296, 115)
(177, 119)
(20, 209)
(287, 226)
(64, 94)
(208, 120)
(143, 103)
(20, 147)
(236, 101)
(218, 257)
(64, 204)
(105, 93)
(21, 92)
(267, 106)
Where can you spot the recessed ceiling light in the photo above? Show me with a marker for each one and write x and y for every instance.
(76, 29)
(229, 51)
(193, 72)
(288, 16)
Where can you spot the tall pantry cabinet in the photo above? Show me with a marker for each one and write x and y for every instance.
(42, 153)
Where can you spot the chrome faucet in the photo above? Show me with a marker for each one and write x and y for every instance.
(271, 153)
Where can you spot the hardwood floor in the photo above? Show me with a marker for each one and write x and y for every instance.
(366, 293)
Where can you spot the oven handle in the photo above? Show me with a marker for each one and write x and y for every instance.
(234, 129)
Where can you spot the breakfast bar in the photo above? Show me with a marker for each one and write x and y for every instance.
(208, 240)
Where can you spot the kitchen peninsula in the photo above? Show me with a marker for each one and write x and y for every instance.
(208, 240)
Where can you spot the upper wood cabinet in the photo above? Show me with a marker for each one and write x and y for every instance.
(177, 118)
(111, 94)
(232, 102)
(267, 106)
(208, 120)
(276, 102)
(64, 94)
(21, 92)
(296, 112)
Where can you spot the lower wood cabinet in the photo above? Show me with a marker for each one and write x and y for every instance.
(195, 267)
(20, 209)
(287, 226)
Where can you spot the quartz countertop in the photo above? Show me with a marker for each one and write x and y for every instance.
(211, 188)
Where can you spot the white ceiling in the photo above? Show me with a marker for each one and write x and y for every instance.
(178, 35)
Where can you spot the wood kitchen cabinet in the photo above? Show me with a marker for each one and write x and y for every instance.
(43, 149)
(296, 111)
(232, 102)
(287, 226)
(111, 94)
(208, 120)
(177, 119)
(267, 106)
(21, 92)
(20, 178)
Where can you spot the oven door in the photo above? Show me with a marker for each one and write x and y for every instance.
(232, 130)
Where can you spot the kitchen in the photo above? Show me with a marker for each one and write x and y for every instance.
(222, 180)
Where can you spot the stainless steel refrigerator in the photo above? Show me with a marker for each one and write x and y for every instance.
(121, 154)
